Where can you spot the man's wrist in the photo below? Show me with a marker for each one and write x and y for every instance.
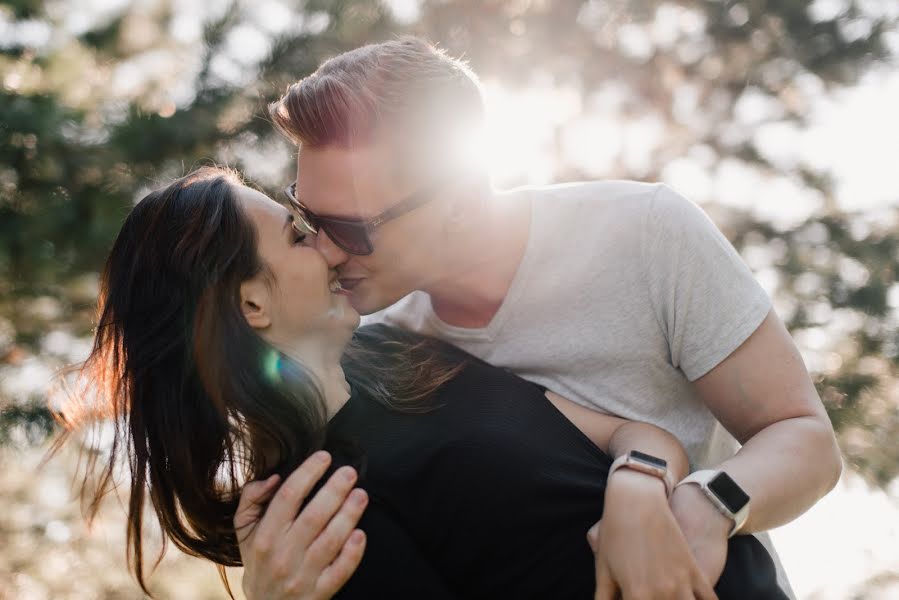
(696, 515)
(723, 493)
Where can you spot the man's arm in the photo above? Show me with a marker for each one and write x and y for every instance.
(726, 340)
(763, 395)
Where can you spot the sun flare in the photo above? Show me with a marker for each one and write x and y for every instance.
(519, 140)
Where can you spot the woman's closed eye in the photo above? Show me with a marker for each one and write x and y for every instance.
(297, 235)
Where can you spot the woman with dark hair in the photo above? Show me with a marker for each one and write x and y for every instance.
(225, 352)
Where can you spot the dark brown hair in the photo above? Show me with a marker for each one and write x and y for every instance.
(200, 403)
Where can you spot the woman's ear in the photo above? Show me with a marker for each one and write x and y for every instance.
(254, 302)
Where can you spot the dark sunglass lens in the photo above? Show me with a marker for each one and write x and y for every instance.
(352, 237)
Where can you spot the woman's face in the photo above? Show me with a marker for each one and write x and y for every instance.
(297, 301)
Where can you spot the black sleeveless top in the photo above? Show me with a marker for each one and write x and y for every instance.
(490, 495)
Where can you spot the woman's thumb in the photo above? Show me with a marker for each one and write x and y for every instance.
(251, 497)
(593, 537)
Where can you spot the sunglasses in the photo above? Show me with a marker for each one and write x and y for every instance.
(353, 235)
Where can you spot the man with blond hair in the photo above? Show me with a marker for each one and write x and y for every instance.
(621, 296)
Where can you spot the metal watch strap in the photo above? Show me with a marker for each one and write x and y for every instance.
(626, 461)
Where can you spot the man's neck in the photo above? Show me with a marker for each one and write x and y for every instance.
(484, 265)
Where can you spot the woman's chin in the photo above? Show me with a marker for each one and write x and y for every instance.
(343, 332)
(354, 319)
(342, 310)
(343, 314)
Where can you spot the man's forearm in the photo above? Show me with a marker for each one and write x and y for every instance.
(785, 468)
(763, 395)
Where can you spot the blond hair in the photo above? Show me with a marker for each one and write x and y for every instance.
(405, 88)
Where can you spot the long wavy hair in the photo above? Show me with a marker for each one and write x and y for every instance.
(199, 402)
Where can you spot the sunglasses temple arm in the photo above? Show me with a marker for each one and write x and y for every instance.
(417, 199)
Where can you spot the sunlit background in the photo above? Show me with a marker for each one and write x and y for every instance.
(779, 117)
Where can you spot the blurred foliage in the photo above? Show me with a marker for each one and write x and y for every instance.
(94, 112)
(31, 420)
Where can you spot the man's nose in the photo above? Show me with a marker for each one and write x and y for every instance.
(334, 255)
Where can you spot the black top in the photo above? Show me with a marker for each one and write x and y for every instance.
(490, 495)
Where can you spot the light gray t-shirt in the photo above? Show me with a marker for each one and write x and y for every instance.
(625, 294)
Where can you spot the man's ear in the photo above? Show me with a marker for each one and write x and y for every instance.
(254, 303)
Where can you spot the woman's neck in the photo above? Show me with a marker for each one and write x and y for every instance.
(324, 364)
(335, 388)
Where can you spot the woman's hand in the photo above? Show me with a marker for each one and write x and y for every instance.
(704, 527)
(301, 557)
(640, 550)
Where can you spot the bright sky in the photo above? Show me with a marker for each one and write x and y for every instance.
(849, 536)
(854, 135)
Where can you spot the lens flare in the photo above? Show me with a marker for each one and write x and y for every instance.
(271, 366)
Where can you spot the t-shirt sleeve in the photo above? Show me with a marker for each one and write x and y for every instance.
(392, 566)
(705, 297)
(373, 318)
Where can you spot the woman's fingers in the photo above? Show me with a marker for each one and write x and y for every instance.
(339, 572)
(276, 557)
(249, 508)
(593, 537)
(606, 589)
(326, 546)
(319, 511)
(283, 508)
(703, 589)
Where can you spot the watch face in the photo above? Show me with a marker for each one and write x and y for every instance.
(727, 490)
(647, 458)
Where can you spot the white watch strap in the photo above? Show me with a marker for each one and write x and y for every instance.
(702, 479)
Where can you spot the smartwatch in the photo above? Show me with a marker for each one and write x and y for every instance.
(645, 463)
(724, 493)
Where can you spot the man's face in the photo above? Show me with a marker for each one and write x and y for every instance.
(362, 183)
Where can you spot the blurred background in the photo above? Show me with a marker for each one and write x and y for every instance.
(778, 116)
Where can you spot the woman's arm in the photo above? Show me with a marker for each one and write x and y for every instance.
(616, 436)
(636, 513)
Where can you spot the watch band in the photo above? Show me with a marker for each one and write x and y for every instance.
(724, 493)
(648, 464)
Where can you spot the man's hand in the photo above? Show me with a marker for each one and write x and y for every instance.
(305, 556)
(704, 527)
(640, 550)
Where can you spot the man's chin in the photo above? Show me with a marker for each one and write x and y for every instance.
(358, 302)
(367, 303)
